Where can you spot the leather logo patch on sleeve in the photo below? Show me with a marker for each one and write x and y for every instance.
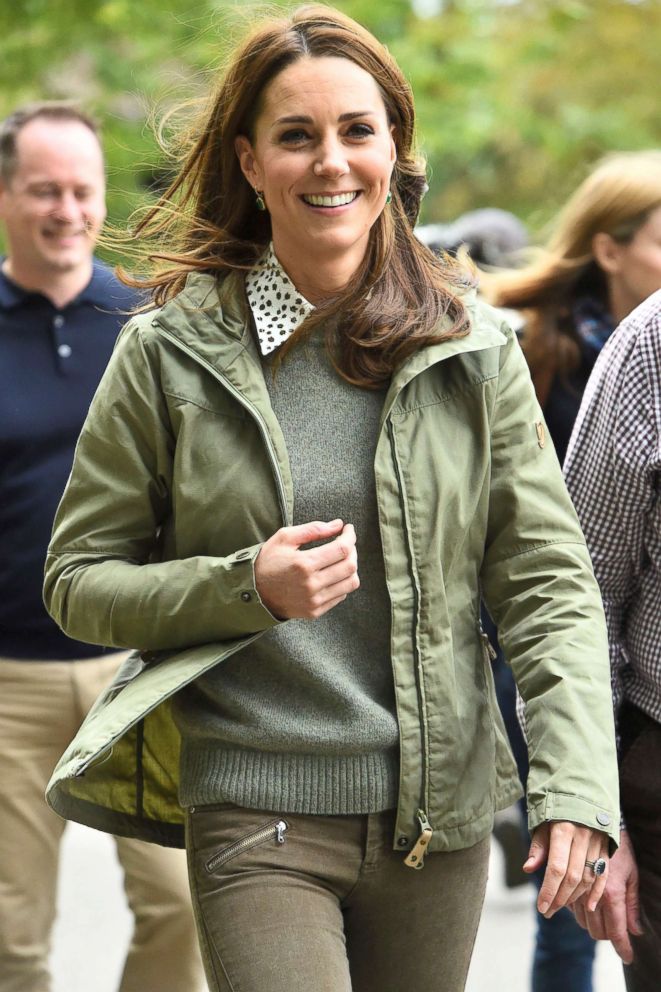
(541, 435)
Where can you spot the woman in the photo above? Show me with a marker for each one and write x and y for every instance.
(220, 504)
(603, 259)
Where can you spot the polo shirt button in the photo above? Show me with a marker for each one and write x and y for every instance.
(58, 321)
(64, 350)
(246, 597)
(603, 819)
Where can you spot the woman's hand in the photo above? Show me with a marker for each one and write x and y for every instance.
(565, 847)
(306, 583)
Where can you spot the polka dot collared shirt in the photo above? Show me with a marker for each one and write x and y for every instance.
(277, 306)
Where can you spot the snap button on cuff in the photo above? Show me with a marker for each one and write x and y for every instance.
(603, 819)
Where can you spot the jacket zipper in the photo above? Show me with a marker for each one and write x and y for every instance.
(252, 410)
(415, 857)
(490, 653)
(276, 829)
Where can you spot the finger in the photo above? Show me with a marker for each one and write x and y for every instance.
(632, 904)
(596, 925)
(327, 606)
(315, 530)
(576, 880)
(560, 842)
(335, 592)
(578, 909)
(615, 928)
(592, 922)
(538, 851)
(342, 547)
(597, 882)
(332, 574)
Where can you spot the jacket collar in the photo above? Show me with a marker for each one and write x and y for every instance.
(212, 319)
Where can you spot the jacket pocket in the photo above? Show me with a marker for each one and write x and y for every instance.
(275, 830)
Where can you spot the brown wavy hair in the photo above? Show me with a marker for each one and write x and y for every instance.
(402, 298)
(616, 198)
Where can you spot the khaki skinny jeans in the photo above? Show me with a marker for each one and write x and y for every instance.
(293, 903)
(42, 704)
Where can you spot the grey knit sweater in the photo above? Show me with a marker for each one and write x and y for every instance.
(303, 720)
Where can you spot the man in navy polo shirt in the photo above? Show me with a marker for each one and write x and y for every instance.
(60, 312)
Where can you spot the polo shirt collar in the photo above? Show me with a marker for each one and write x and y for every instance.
(96, 291)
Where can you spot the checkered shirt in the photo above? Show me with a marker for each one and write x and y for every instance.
(613, 471)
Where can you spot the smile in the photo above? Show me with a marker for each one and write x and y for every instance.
(337, 200)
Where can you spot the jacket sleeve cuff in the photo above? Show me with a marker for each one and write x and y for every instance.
(241, 568)
(559, 806)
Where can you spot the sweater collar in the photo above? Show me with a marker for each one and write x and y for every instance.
(277, 306)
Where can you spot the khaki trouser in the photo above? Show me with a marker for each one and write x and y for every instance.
(41, 707)
(293, 903)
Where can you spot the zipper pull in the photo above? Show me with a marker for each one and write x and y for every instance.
(416, 857)
(280, 829)
(489, 648)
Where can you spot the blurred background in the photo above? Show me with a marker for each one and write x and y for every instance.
(515, 98)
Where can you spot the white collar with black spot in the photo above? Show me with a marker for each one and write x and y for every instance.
(277, 306)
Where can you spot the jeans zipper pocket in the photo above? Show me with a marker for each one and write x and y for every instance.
(276, 829)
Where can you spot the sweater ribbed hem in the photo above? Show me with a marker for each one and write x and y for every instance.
(290, 783)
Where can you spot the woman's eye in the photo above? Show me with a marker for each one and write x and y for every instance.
(294, 137)
(360, 131)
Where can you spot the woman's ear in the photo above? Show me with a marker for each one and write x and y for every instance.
(607, 253)
(246, 156)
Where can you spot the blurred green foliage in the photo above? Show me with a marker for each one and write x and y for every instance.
(515, 98)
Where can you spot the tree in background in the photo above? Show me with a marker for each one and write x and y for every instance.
(516, 98)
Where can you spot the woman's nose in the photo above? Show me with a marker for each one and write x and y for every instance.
(331, 160)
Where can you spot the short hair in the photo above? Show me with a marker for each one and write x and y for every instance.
(51, 110)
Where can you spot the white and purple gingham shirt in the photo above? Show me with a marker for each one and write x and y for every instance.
(613, 471)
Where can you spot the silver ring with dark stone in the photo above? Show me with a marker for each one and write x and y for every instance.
(597, 867)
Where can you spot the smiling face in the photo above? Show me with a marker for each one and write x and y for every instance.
(53, 204)
(322, 155)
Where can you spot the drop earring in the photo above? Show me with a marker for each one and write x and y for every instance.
(259, 200)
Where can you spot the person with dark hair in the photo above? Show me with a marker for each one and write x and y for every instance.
(60, 313)
(318, 397)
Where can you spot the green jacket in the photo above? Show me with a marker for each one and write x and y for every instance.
(181, 473)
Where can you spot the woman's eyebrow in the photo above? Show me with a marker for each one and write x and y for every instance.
(304, 119)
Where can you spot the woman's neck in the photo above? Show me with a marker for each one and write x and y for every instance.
(318, 279)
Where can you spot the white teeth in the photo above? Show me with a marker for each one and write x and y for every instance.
(339, 200)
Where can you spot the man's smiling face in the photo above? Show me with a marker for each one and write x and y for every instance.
(53, 203)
